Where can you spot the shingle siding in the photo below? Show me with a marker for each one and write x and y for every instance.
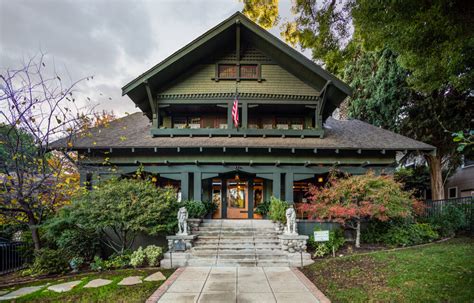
(276, 80)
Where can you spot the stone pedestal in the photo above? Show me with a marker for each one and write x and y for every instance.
(295, 247)
(293, 243)
(187, 239)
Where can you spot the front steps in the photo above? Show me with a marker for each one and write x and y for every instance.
(236, 243)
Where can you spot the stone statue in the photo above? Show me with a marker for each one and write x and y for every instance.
(291, 221)
(182, 221)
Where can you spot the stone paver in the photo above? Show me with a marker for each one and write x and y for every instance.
(157, 276)
(97, 283)
(63, 287)
(132, 280)
(20, 292)
(237, 284)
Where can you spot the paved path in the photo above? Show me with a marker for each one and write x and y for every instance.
(238, 284)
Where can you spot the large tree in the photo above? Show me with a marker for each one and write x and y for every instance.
(36, 109)
(434, 43)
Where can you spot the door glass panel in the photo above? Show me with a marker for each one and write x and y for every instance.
(217, 196)
(236, 194)
(257, 192)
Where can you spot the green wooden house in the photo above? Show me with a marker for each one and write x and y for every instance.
(285, 138)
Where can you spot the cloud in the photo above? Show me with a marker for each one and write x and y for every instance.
(114, 40)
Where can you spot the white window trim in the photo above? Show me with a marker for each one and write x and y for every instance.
(449, 190)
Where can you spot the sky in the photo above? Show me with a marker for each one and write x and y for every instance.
(112, 40)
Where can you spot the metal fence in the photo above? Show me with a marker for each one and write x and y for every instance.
(466, 205)
(13, 256)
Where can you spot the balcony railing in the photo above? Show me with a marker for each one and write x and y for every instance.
(241, 132)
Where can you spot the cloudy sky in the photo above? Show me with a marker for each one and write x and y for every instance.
(113, 40)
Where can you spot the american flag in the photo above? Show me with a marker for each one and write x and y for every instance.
(235, 112)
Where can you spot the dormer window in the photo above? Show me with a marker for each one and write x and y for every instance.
(238, 72)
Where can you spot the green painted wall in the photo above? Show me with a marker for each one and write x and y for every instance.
(276, 81)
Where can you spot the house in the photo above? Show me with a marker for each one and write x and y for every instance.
(461, 183)
(185, 134)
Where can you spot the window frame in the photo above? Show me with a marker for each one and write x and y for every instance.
(449, 192)
(238, 66)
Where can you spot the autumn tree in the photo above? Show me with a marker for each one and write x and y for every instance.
(355, 199)
(36, 109)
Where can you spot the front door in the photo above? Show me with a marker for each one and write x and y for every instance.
(237, 199)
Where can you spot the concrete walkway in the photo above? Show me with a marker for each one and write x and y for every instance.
(237, 284)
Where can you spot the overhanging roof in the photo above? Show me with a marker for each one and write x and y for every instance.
(222, 34)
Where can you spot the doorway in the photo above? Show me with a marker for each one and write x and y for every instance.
(237, 199)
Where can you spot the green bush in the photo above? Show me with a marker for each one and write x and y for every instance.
(118, 210)
(49, 261)
(336, 240)
(138, 258)
(277, 210)
(263, 208)
(153, 254)
(410, 234)
(211, 207)
(451, 220)
(98, 264)
(196, 209)
(72, 238)
(117, 261)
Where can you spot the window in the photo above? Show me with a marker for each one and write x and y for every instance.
(227, 71)
(296, 124)
(187, 122)
(248, 71)
(452, 192)
(282, 123)
(234, 71)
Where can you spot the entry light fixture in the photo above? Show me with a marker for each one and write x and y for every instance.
(320, 179)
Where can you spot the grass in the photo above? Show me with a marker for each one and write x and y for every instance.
(440, 272)
(108, 293)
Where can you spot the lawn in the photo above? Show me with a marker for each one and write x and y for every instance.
(108, 293)
(440, 272)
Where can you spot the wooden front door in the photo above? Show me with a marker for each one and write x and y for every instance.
(237, 199)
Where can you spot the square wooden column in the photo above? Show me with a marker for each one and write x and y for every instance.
(184, 186)
(197, 186)
(245, 114)
(277, 185)
(289, 178)
(230, 125)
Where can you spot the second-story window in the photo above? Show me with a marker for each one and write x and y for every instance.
(227, 71)
(234, 71)
(187, 122)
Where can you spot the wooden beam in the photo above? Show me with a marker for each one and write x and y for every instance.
(154, 109)
(200, 149)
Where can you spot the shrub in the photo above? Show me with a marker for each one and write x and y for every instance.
(153, 255)
(118, 209)
(263, 208)
(76, 263)
(410, 234)
(138, 258)
(277, 210)
(116, 261)
(98, 264)
(49, 261)
(336, 240)
(196, 209)
(451, 220)
(211, 207)
(68, 235)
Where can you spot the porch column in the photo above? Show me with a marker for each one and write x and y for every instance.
(245, 114)
(197, 186)
(250, 199)
(289, 177)
(277, 185)
(184, 186)
(229, 115)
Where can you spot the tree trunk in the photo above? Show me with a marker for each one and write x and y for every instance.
(437, 189)
(32, 224)
(358, 234)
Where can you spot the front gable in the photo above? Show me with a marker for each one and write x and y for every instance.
(186, 71)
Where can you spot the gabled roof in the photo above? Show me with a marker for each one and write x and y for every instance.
(224, 33)
(133, 131)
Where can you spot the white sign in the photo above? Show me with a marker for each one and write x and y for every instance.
(321, 236)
